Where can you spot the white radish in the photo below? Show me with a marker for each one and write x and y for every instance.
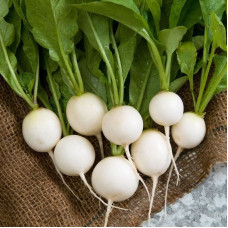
(85, 114)
(123, 125)
(188, 133)
(152, 158)
(42, 130)
(166, 109)
(114, 179)
(74, 155)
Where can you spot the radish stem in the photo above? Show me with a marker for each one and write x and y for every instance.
(179, 150)
(126, 148)
(51, 154)
(100, 141)
(108, 212)
(94, 194)
(170, 150)
(155, 182)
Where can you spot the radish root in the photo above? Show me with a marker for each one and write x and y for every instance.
(179, 150)
(109, 207)
(126, 148)
(100, 141)
(170, 150)
(95, 195)
(51, 154)
(155, 182)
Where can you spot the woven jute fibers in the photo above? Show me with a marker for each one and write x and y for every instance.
(32, 194)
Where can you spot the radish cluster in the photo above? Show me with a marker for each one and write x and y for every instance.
(115, 178)
(99, 66)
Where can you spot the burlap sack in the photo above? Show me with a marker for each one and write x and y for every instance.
(32, 194)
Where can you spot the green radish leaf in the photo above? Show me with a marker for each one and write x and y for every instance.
(121, 11)
(155, 10)
(222, 85)
(96, 29)
(170, 38)
(144, 80)
(30, 49)
(7, 32)
(218, 32)
(57, 80)
(126, 48)
(91, 83)
(186, 56)
(60, 26)
(191, 14)
(209, 6)
(128, 4)
(198, 42)
(4, 9)
(43, 97)
(15, 20)
(8, 60)
(175, 12)
(198, 66)
(178, 83)
(19, 6)
(165, 12)
(26, 80)
(93, 59)
(174, 69)
(216, 79)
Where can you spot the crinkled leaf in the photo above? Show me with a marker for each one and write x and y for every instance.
(175, 12)
(53, 25)
(186, 56)
(170, 38)
(218, 31)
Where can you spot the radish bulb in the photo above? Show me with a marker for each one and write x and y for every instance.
(123, 125)
(42, 130)
(188, 133)
(85, 114)
(114, 179)
(152, 158)
(166, 109)
(74, 155)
